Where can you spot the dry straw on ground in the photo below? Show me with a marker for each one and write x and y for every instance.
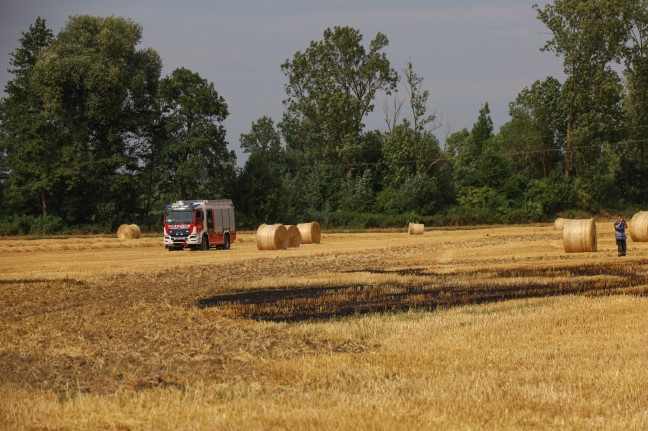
(639, 227)
(485, 328)
(416, 229)
(128, 231)
(294, 236)
(310, 232)
(579, 236)
(272, 237)
(559, 223)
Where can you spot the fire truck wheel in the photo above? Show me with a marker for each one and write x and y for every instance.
(226, 245)
(205, 243)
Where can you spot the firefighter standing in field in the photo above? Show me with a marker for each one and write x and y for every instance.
(620, 227)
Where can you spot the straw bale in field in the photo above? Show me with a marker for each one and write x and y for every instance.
(559, 223)
(128, 231)
(579, 236)
(294, 236)
(416, 229)
(136, 230)
(639, 227)
(272, 237)
(310, 232)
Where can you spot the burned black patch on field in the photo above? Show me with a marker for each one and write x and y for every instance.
(27, 281)
(429, 290)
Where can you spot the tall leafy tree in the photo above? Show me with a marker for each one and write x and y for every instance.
(415, 177)
(535, 135)
(98, 91)
(637, 75)
(588, 34)
(422, 120)
(27, 141)
(482, 130)
(259, 193)
(411, 148)
(331, 88)
(263, 137)
(407, 153)
(196, 157)
(468, 149)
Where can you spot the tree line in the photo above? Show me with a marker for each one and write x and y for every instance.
(92, 136)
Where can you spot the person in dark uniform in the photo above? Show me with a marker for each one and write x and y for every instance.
(620, 227)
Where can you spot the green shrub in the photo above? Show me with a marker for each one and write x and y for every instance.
(46, 225)
(35, 225)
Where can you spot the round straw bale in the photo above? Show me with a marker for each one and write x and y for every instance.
(639, 227)
(559, 223)
(294, 236)
(126, 231)
(272, 237)
(416, 229)
(136, 231)
(579, 236)
(310, 232)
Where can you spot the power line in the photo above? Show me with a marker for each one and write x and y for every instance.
(509, 140)
(507, 153)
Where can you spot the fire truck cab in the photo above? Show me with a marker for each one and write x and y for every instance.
(199, 225)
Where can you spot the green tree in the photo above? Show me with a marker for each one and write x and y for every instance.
(637, 76)
(398, 154)
(152, 173)
(259, 194)
(195, 154)
(494, 164)
(331, 88)
(411, 154)
(482, 130)
(422, 121)
(535, 135)
(98, 92)
(599, 124)
(357, 193)
(407, 152)
(418, 193)
(27, 141)
(588, 34)
(263, 138)
(467, 149)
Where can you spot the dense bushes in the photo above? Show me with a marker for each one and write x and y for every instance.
(52, 225)
(24, 224)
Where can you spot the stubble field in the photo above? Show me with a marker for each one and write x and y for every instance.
(482, 328)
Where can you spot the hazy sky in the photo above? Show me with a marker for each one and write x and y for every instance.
(467, 51)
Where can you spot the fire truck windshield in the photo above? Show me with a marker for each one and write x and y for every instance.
(179, 216)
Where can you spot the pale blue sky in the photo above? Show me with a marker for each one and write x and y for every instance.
(467, 52)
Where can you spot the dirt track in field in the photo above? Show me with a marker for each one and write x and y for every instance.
(101, 315)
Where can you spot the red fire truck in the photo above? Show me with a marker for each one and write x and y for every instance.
(199, 225)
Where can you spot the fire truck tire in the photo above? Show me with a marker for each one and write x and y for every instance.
(226, 244)
(204, 245)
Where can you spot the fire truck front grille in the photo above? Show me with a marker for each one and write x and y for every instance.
(182, 233)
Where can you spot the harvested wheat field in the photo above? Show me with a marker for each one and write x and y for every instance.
(483, 328)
